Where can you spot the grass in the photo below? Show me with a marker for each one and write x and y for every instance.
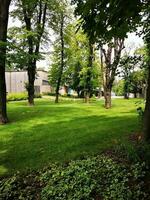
(48, 132)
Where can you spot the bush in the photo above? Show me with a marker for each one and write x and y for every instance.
(94, 178)
(17, 96)
(137, 151)
(20, 96)
(49, 93)
(37, 96)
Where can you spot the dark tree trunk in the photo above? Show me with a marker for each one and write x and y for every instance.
(147, 113)
(62, 59)
(4, 10)
(78, 92)
(126, 96)
(135, 95)
(146, 127)
(31, 79)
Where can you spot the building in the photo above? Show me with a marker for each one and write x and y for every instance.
(16, 80)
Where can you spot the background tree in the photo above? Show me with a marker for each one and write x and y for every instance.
(76, 54)
(127, 65)
(96, 20)
(4, 12)
(60, 21)
(110, 58)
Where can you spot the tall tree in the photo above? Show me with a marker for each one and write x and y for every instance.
(33, 17)
(33, 41)
(4, 12)
(62, 18)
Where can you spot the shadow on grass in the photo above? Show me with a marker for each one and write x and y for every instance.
(58, 135)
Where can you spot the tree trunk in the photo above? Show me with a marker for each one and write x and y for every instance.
(135, 95)
(107, 96)
(146, 127)
(31, 79)
(126, 91)
(87, 97)
(4, 10)
(126, 96)
(62, 59)
(88, 86)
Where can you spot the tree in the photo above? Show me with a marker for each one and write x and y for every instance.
(4, 12)
(33, 42)
(61, 18)
(32, 15)
(76, 59)
(127, 65)
(104, 27)
(76, 56)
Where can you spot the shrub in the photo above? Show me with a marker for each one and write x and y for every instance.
(37, 96)
(49, 93)
(20, 96)
(17, 96)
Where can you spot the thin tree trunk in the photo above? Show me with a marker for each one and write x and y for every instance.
(107, 96)
(89, 73)
(126, 91)
(135, 95)
(4, 12)
(62, 59)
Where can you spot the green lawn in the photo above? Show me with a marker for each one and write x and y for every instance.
(48, 132)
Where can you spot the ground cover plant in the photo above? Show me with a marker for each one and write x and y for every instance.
(98, 177)
(49, 133)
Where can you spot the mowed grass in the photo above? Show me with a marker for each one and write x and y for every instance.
(48, 132)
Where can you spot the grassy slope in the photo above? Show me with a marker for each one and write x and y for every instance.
(48, 132)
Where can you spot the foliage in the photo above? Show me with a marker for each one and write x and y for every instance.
(138, 81)
(90, 178)
(94, 177)
(19, 186)
(135, 151)
(17, 96)
(103, 20)
(76, 53)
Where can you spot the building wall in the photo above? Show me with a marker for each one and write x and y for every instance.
(15, 82)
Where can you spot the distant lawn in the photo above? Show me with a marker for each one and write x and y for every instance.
(48, 132)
